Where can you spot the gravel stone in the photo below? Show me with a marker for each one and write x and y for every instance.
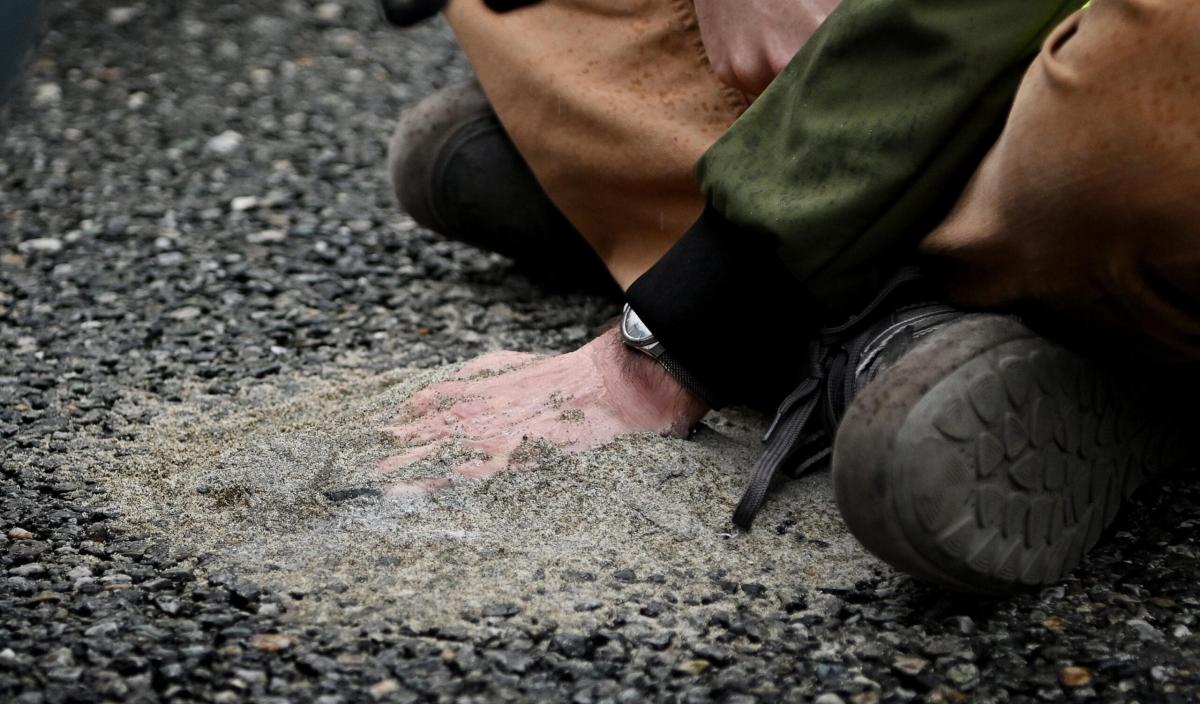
(225, 143)
(32, 569)
(1073, 676)
(192, 206)
(46, 245)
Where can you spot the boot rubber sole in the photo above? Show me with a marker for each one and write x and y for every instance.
(988, 458)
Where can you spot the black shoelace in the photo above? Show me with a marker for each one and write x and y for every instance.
(792, 440)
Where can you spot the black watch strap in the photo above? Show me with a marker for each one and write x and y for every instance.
(688, 380)
(636, 335)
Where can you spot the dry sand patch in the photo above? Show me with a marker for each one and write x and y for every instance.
(278, 485)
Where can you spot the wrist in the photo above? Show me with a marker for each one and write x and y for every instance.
(648, 393)
(728, 311)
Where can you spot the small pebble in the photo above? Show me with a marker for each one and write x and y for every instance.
(271, 642)
(48, 245)
(1073, 676)
(225, 143)
(963, 674)
(137, 100)
(243, 203)
(185, 313)
(692, 667)
(1144, 630)
(382, 689)
(30, 570)
(1054, 624)
(266, 236)
(910, 664)
(118, 16)
(328, 12)
(102, 630)
(343, 41)
(47, 94)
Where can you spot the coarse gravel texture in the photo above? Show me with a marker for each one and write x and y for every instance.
(133, 282)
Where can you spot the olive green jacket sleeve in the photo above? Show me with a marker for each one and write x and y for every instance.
(870, 132)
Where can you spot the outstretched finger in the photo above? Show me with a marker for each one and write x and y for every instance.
(424, 430)
(404, 459)
(462, 416)
(494, 362)
(416, 487)
(480, 468)
(429, 399)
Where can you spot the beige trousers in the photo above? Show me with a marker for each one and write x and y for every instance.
(611, 102)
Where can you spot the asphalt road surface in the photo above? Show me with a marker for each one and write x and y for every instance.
(127, 271)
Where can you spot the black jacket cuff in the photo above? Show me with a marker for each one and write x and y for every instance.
(727, 310)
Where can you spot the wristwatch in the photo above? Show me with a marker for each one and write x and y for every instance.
(635, 334)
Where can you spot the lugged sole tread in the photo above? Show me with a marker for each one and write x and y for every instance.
(1024, 453)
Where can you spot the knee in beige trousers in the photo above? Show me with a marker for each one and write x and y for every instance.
(611, 102)
(1087, 209)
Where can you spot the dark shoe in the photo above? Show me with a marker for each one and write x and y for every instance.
(841, 361)
(989, 458)
(974, 453)
(456, 172)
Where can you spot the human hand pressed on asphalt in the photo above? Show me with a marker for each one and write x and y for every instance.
(750, 41)
(501, 401)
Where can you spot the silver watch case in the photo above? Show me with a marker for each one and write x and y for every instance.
(635, 334)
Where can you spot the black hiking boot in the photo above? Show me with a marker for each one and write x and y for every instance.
(970, 451)
(456, 172)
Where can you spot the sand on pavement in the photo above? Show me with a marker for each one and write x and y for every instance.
(278, 486)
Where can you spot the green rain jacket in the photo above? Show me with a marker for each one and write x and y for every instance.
(825, 185)
(871, 129)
